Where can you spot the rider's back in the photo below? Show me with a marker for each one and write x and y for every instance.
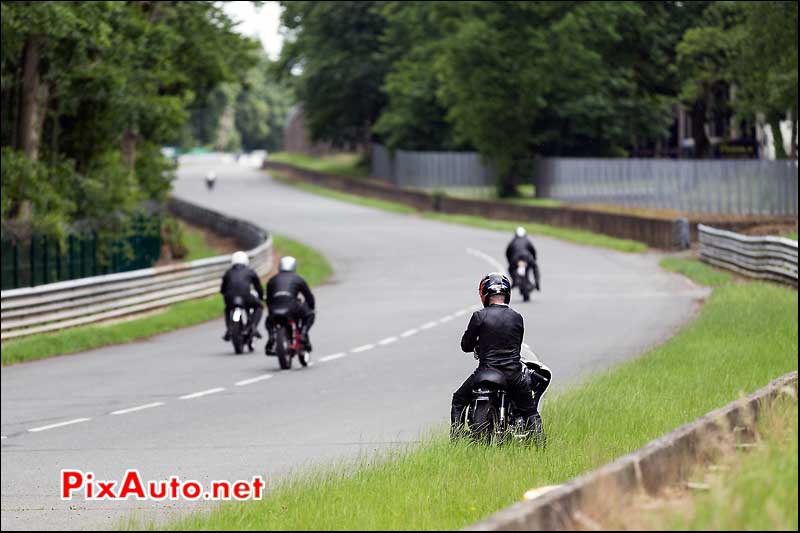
(284, 287)
(496, 331)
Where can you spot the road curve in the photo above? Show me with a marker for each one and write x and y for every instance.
(386, 356)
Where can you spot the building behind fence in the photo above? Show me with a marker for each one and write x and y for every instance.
(733, 187)
(37, 259)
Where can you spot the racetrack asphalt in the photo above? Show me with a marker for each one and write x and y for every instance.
(386, 356)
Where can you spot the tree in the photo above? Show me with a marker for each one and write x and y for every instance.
(705, 57)
(765, 66)
(526, 78)
(332, 59)
(91, 89)
(415, 118)
(262, 108)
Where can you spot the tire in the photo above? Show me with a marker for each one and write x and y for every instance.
(236, 337)
(484, 421)
(282, 348)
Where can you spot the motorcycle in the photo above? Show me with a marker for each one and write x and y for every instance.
(211, 179)
(521, 279)
(490, 417)
(288, 342)
(242, 329)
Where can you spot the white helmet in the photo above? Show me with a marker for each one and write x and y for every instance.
(211, 176)
(520, 231)
(288, 264)
(240, 258)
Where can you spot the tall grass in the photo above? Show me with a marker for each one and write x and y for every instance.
(745, 336)
(759, 492)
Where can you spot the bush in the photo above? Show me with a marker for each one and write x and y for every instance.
(173, 237)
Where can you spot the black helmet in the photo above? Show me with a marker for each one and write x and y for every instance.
(494, 283)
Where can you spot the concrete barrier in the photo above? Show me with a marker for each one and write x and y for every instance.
(659, 464)
(665, 233)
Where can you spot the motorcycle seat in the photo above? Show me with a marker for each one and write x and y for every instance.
(491, 377)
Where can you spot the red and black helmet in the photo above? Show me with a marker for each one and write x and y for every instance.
(494, 283)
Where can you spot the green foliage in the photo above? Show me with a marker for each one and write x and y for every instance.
(172, 231)
(112, 82)
(765, 70)
(334, 63)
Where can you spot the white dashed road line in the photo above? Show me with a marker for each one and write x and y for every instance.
(252, 380)
(60, 424)
(138, 408)
(242, 383)
(202, 393)
(332, 357)
(486, 257)
(362, 348)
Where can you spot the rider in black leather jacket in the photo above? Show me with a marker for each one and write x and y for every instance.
(495, 333)
(521, 248)
(238, 281)
(282, 298)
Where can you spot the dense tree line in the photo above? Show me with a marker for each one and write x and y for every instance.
(247, 114)
(91, 90)
(519, 79)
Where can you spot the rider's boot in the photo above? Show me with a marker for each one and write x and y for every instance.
(227, 336)
(304, 338)
(269, 349)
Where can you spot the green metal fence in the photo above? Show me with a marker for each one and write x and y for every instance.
(40, 259)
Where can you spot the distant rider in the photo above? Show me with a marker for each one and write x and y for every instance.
(238, 281)
(283, 292)
(521, 249)
(211, 179)
(495, 334)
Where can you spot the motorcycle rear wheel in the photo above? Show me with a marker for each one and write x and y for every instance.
(282, 348)
(484, 421)
(236, 337)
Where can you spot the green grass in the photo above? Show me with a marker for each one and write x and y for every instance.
(384, 205)
(759, 492)
(696, 271)
(792, 235)
(195, 241)
(745, 336)
(311, 265)
(567, 234)
(347, 164)
(572, 235)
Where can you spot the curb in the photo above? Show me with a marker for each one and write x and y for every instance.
(658, 464)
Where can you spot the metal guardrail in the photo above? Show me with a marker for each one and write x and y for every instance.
(31, 310)
(772, 258)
